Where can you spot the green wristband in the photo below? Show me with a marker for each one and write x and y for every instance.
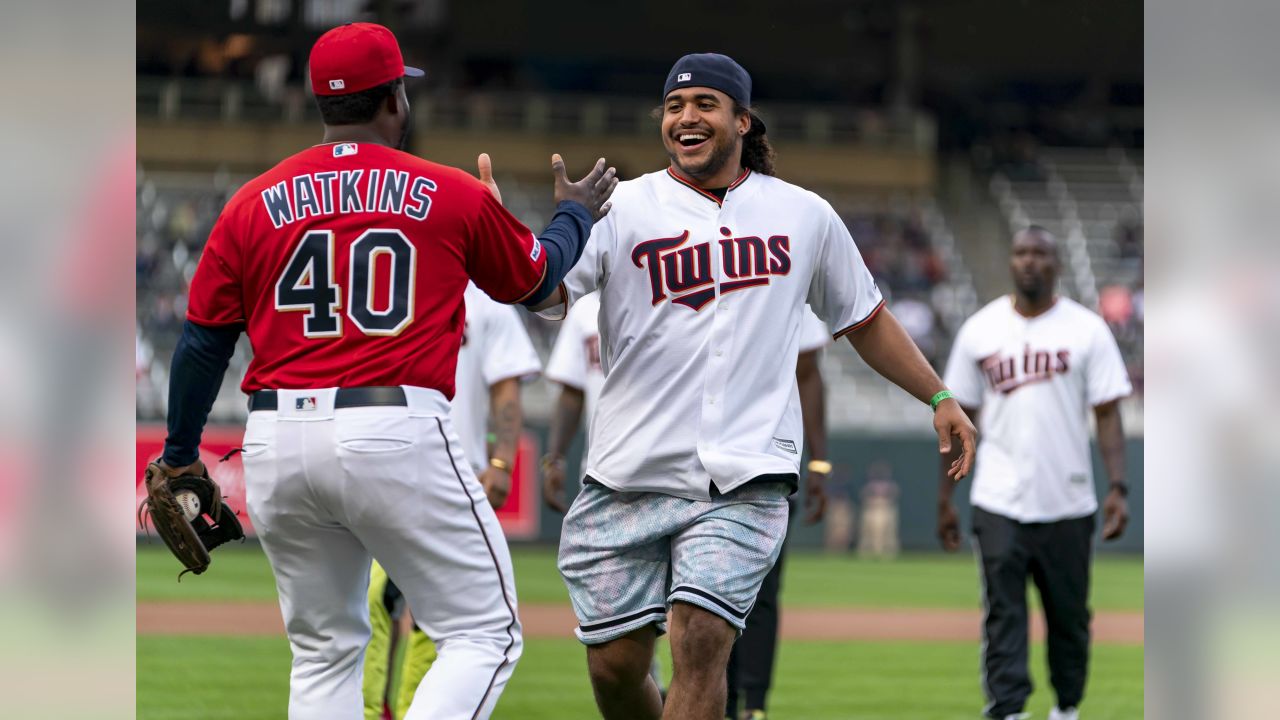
(942, 395)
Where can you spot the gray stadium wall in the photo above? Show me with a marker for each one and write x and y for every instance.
(914, 462)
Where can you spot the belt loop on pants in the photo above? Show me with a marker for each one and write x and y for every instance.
(373, 396)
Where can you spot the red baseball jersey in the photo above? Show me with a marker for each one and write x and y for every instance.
(347, 263)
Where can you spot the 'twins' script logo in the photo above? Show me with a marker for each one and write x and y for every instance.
(685, 270)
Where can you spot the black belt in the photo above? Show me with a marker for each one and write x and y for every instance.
(345, 398)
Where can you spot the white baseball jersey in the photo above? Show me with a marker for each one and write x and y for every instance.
(495, 347)
(813, 333)
(700, 313)
(575, 359)
(1035, 380)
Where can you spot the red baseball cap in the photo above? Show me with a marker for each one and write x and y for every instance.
(355, 57)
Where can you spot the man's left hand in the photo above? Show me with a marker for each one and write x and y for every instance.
(497, 485)
(1115, 513)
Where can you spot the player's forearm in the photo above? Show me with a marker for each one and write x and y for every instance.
(507, 418)
(813, 405)
(1111, 440)
(562, 241)
(195, 376)
(564, 421)
(885, 346)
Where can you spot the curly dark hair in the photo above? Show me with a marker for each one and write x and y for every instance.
(356, 108)
(757, 154)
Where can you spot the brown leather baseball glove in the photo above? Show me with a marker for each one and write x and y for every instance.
(185, 506)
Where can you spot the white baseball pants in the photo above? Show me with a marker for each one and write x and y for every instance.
(327, 489)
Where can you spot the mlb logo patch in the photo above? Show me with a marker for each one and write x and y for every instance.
(337, 84)
(536, 252)
(345, 149)
(684, 77)
(305, 403)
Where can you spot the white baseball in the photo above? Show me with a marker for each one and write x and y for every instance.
(190, 503)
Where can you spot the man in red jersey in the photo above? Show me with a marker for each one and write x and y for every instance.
(346, 264)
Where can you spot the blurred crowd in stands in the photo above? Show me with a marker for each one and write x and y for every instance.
(1123, 305)
(906, 267)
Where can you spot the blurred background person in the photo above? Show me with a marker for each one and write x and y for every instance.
(1029, 367)
(878, 530)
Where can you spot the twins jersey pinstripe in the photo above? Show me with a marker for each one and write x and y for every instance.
(1035, 380)
(700, 313)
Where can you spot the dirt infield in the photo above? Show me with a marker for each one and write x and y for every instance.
(557, 621)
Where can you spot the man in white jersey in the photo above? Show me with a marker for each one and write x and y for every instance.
(495, 356)
(703, 271)
(1035, 363)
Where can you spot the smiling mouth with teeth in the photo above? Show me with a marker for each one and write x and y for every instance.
(691, 139)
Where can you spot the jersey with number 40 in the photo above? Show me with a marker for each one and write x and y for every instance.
(347, 264)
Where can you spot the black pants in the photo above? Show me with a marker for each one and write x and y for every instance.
(1056, 556)
(751, 662)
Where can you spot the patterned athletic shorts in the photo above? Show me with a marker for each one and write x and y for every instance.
(626, 556)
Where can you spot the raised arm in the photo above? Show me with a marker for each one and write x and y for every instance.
(564, 241)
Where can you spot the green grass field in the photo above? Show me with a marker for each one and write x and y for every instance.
(246, 678)
(811, 579)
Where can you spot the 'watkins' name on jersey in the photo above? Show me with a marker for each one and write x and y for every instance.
(1037, 365)
(685, 270)
(348, 191)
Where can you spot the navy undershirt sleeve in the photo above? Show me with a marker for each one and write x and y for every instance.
(195, 376)
(563, 241)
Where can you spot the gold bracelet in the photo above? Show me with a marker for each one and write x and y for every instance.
(501, 464)
(820, 466)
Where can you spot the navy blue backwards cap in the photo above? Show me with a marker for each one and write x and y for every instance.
(715, 71)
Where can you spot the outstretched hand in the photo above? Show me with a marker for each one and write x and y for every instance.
(951, 421)
(592, 191)
(485, 166)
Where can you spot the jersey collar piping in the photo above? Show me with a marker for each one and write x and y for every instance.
(704, 193)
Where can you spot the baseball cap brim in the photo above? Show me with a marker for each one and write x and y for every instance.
(757, 122)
